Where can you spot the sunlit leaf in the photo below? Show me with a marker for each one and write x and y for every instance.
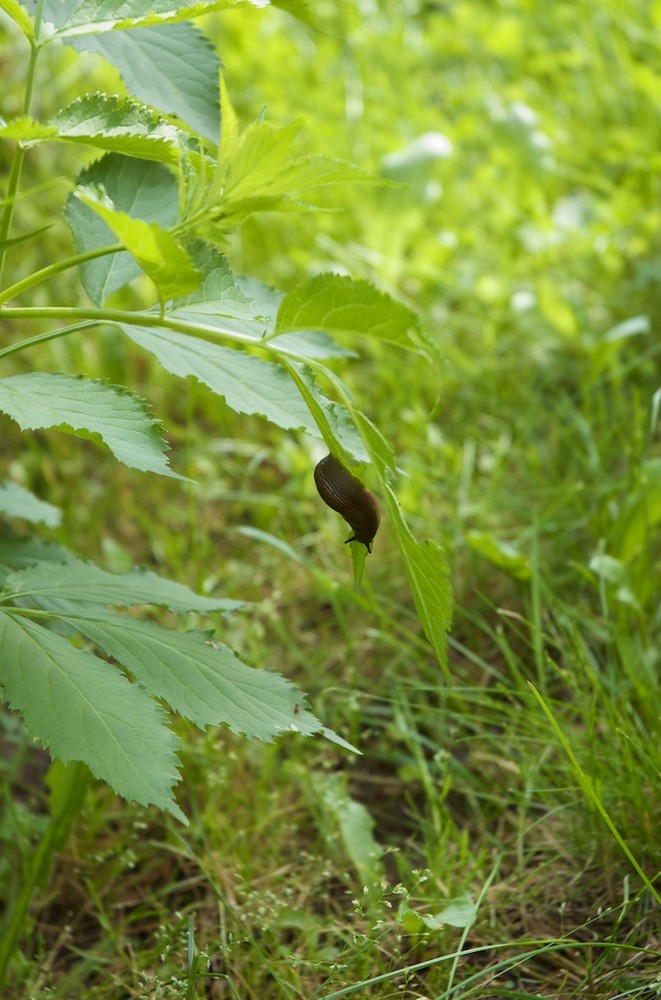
(18, 15)
(341, 304)
(156, 251)
(172, 67)
(118, 124)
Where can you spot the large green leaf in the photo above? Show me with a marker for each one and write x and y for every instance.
(118, 124)
(82, 708)
(83, 583)
(248, 384)
(245, 307)
(203, 681)
(337, 303)
(145, 190)
(156, 251)
(85, 407)
(173, 67)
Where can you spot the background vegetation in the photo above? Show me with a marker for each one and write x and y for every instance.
(515, 825)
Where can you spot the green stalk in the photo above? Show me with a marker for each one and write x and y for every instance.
(589, 791)
(50, 335)
(52, 269)
(19, 153)
(132, 317)
(66, 802)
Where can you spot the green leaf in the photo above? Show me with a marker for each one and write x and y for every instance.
(156, 251)
(82, 708)
(229, 135)
(84, 407)
(299, 9)
(426, 563)
(173, 67)
(261, 171)
(332, 419)
(356, 826)
(264, 164)
(502, 554)
(117, 124)
(72, 17)
(310, 345)
(248, 384)
(18, 554)
(225, 304)
(16, 501)
(19, 17)
(203, 681)
(26, 129)
(428, 572)
(84, 583)
(217, 287)
(358, 557)
(218, 303)
(145, 190)
(340, 304)
(429, 577)
(460, 912)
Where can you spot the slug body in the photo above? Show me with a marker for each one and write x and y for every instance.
(347, 495)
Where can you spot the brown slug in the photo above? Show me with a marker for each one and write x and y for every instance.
(347, 495)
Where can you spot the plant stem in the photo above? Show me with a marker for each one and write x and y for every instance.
(64, 809)
(51, 335)
(19, 153)
(131, 317)
(52, 269)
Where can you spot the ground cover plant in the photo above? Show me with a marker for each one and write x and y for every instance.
(498, 835)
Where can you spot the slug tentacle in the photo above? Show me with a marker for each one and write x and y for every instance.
(346, 494)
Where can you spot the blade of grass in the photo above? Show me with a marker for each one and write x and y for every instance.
(591, 795)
